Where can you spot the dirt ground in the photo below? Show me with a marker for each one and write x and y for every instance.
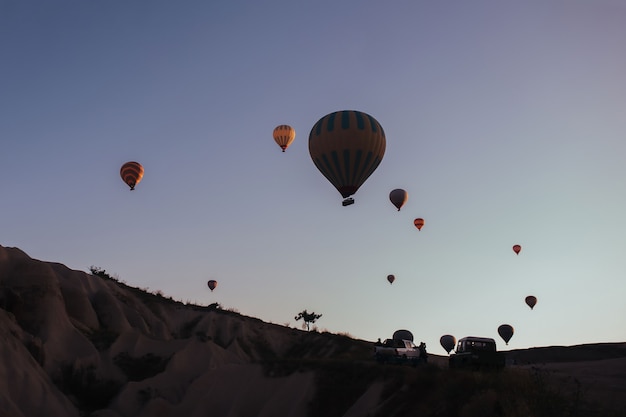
(598, 379)
(601, 381)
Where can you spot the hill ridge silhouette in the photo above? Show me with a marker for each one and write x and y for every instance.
(78, 344)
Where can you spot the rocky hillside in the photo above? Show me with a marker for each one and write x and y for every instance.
(77, 344)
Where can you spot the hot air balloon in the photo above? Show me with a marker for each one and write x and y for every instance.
(284, 135)
(506, 332)
(402, 335)
(391, 278)
(448, 342)
(347, 146)
(418, 223)
(531, 300)
(398, 197)
(212, 284)
(517, 249)
(131, 173)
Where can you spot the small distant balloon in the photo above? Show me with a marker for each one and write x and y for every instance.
(448, 342)
(284, 135)
(131, 173)
(398, 197)
(418, 223)
(506, 332)
(391, 278)
(402, 335)
(531, 300)
(517, 249)
(212, 284)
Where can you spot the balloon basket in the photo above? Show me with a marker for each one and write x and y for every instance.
(348, 201)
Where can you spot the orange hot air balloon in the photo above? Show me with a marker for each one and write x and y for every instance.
(531, 300)
(131, 173)
(398, 197)
(391, 278)
(212, 284)
(506, 332)
(418, 223)
(284, 136)
(347, 146)
(448, 342)
(517, 249)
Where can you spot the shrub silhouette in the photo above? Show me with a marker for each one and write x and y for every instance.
(309, 318)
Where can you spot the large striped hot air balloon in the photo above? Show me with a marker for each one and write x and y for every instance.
(131, 173)
(347, 146)
(284, 136)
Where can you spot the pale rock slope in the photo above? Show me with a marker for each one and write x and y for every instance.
(78, 344)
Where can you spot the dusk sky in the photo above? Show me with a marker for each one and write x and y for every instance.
(505, 121)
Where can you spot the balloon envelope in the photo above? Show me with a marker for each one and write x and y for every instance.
(131, 173)
(284, 136)
(506, 332)
(398, 197)
(391, 278)
(347, 146)
(212, 284)
(418, 223)
(531, 300)
(402, 335)
(448, 342)
(517, 249)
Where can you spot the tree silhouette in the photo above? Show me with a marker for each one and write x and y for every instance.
(309, 318)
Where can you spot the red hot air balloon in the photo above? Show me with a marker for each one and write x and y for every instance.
(212, 284)
(506, 332)
(398, 197)
(284, 136)
(131, 173)
(531, 300)
(347, 146)
(391, 278)
(517, 249)
(418, 223)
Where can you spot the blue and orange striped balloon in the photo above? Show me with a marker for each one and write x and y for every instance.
(347, 146)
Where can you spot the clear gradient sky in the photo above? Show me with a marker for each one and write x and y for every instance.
(505, 122)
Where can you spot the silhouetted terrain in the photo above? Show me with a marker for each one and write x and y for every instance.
(77, 344)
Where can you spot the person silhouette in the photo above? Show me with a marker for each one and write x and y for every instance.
(423, 353)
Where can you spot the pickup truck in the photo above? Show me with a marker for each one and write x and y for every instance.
(477, 353)
(396, 351)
